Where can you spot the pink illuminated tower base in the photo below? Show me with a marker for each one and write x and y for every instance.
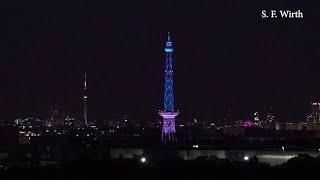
(168, 127)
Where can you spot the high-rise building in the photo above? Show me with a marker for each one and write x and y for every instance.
(228, 118)
(270, 121)
(56, 118)
(257, 121)
(168, 114)
(315, 112)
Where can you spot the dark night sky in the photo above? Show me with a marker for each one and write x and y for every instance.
(225, 55)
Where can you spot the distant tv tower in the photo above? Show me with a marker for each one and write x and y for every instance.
(168, 115)
(85, 97)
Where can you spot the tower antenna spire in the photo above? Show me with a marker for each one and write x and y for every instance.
(85, 80)
(85, 97)
(169, 38)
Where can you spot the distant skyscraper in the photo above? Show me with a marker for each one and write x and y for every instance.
(315, 112)
(168, 115)
(85, 97)
(270, 119)
(56, 118)
(228, 119)
(257, 121)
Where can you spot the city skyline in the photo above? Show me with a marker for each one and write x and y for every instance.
(159, 89)
(223, 62)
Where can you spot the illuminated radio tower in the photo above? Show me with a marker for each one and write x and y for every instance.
(85, 97)
(168, 115)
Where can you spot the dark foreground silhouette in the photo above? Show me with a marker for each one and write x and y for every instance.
(167, 166)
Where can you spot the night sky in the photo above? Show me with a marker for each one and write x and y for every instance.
(225, 55)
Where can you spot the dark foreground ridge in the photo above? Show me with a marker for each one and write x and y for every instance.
(168, 166)
(89, 154)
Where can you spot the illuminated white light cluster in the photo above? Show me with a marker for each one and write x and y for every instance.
(195, 146)
(143, 160)
(246, 158)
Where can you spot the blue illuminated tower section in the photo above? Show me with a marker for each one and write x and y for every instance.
(168, 115)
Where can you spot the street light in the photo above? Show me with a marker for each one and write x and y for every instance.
(246, 158)
(195, 146)
(282, 147)
(143, 160)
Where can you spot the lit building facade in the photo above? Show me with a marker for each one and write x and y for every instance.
(257, 120)
(315, 112)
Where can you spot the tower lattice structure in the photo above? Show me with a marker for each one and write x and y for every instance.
(169, 114)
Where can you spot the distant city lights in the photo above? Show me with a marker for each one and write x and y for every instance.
(246, 123)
